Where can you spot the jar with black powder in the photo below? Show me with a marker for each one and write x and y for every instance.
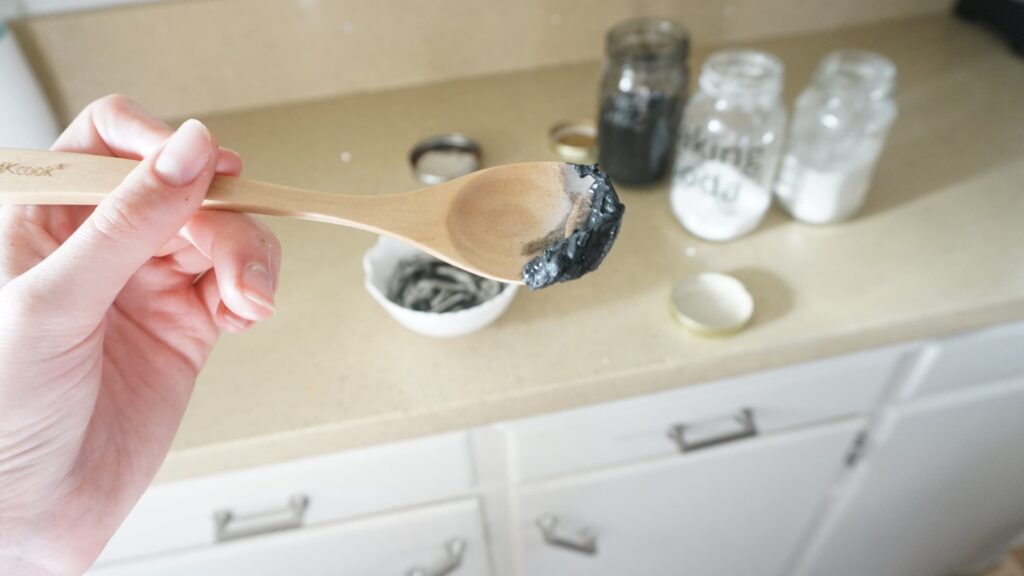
(643, 90)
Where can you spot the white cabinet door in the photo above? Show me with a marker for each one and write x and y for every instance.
(351, 484)
(972, 359)
(737, 509)
(631, 430)
(390, 545)
(942, 490)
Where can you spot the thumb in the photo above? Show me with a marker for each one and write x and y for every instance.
(86, 273)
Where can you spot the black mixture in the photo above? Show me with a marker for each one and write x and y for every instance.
(425, 284)
(582, 252)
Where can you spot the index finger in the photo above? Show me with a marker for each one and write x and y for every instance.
(116, 125)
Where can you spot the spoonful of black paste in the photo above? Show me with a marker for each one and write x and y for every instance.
(583, 250)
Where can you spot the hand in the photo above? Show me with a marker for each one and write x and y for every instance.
(106, 318)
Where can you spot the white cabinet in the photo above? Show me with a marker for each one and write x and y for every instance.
(432, 539)
(180, 515)
(635, 429)
(643, 485)
(971, 359)
(941, 490)
(737, 509)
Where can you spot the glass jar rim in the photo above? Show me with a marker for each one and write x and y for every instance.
(856, 71)
(647, 38)
(742, 74)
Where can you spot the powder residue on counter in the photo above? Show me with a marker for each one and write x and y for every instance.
(582, 250)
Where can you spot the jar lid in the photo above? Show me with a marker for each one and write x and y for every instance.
(574, 141)
(712, 304)
(444, 157)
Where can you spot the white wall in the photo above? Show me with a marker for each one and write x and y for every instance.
(39, 7)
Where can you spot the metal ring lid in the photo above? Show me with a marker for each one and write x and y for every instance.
(444, 157)
(574, 141)
(712, 304)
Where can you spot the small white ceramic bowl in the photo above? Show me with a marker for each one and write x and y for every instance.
(380, 262)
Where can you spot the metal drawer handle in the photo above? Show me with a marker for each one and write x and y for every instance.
(230, 526)
(748, 430)
(454, 550)
(585, 541)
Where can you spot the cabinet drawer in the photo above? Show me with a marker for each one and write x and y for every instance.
(431, 539)
(738, 511)
(338, 486)
(625, 430)
(976, 358)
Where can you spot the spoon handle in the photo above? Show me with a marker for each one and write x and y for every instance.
(64, 178)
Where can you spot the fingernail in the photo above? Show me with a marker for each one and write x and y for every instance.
(185, 155)
(235, 322)
(228, 160)
(258, 286)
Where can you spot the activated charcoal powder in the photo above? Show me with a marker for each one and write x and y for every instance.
(428, 285)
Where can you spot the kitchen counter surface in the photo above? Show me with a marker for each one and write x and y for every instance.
(938, 249)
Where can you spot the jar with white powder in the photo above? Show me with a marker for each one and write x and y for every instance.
(839, 129)
(729, 145)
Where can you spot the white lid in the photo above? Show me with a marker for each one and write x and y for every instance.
(712, 304)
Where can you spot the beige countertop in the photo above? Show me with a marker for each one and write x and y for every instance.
(938, 249)
(275, 52)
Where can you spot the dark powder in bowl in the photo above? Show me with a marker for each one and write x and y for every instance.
(429, 285)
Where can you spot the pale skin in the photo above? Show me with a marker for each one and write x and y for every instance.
(107, 315)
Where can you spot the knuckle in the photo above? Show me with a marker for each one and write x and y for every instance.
(35, 317)
(112, 110)
(260, 232)
(114, 103)
(118, 218)
(22, 304)
(273, 242)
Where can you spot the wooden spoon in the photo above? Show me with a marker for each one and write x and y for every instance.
(492, 222)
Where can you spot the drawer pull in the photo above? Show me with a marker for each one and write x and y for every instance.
(585, 541)
(748, 429)
(231, 526)
(454, 550)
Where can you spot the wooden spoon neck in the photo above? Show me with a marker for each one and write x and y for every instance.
(408, 216)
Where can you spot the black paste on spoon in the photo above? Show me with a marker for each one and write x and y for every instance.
(582, 251)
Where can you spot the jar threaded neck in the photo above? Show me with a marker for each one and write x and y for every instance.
(743, 75)
(649, 40)
(856, 72)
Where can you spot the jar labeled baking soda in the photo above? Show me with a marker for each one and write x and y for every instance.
(729, 145)
(839, 128)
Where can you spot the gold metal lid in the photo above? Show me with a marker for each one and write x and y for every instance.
(574, 141)
(712, 304)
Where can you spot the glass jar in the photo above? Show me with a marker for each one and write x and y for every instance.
(643, 89)
(729, 145)
(839, 129)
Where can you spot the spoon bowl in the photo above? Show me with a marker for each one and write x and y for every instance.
(503, 217)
